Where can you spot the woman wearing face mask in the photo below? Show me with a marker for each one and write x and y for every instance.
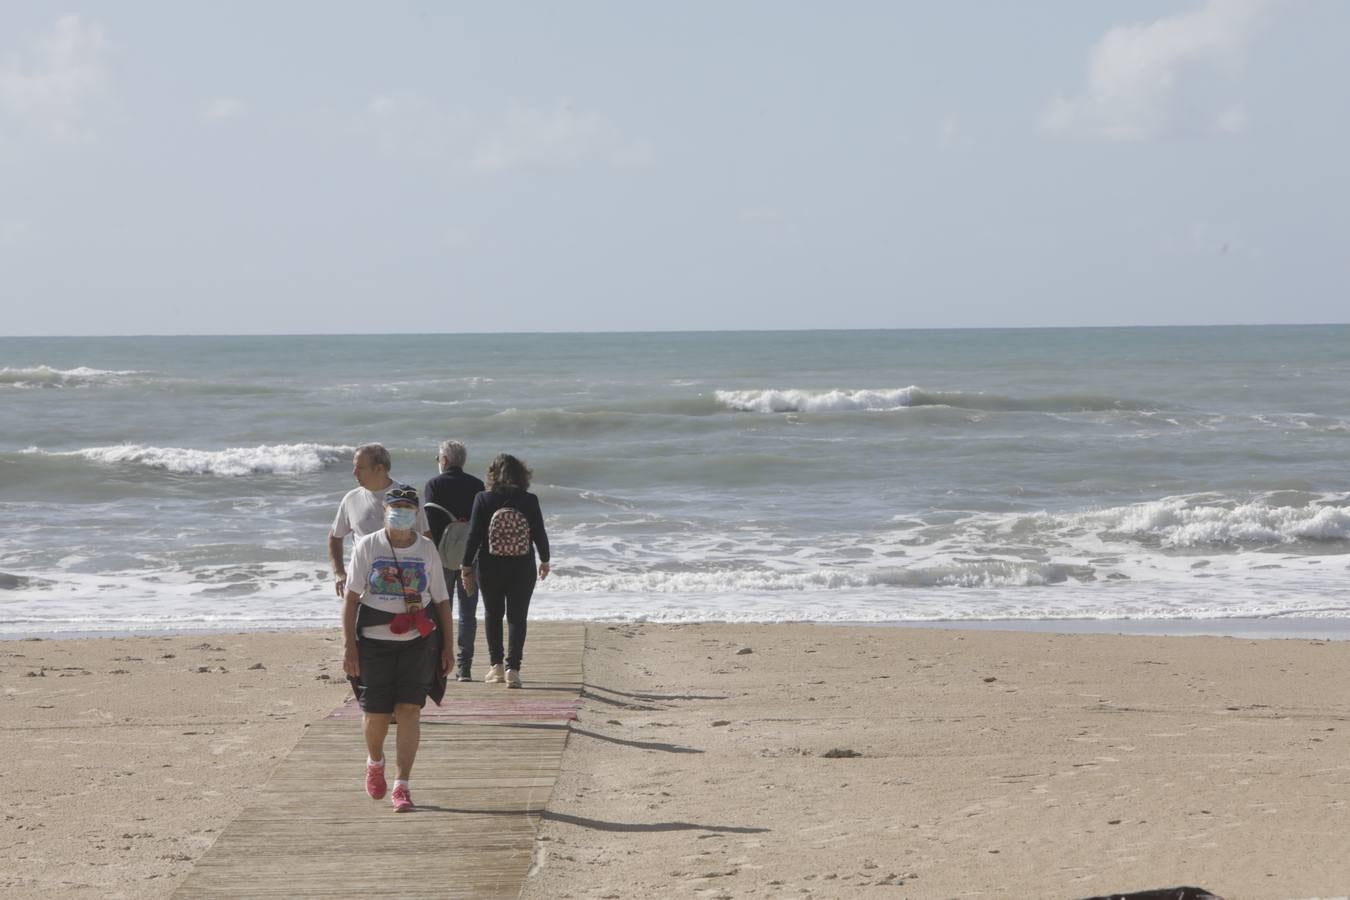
(396, 598)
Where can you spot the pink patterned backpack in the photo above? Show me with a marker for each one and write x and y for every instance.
(508, 533)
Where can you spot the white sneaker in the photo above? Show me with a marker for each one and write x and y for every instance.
(495, 675)
(512, 678)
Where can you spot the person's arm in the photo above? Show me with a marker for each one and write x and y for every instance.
(360, 577)
(440, 608)
(351, 657)
(539, 536)
(341, 528)
(431, 533)
(339, 570)
(477, 533)
(444, 621)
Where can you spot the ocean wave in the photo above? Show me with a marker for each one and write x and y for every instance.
(48, 377)
(777, 401)
(893, 399)
(1196, 521)
(266, 459)
(224, 388)
(1182, 522)
(982, 573)
(599, 419)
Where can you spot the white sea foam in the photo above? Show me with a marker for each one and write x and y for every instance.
(1179, 522)
(776, 401)
(288, 595)
(267, 459)
(988, 573)
(46, 376)
(893, 399)
(1183, 522)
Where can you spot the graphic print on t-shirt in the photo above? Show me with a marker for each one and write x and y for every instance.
(384, 576)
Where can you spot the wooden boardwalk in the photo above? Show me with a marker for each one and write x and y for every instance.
(485, 769)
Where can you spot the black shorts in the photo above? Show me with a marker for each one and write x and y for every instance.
(395, 672)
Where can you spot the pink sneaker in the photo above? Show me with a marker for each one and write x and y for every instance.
(375, 783)
(402, 798)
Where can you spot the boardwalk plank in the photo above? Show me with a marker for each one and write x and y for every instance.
(485, 769)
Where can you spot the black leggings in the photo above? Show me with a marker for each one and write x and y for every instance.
(506, 587)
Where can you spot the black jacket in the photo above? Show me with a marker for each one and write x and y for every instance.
(455, 490)
(487, 503)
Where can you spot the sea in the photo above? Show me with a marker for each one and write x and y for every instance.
(160, 484)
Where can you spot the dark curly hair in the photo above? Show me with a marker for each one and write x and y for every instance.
(506, 473)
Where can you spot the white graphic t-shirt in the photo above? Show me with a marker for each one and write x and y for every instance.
(379, 572)
(361, 512)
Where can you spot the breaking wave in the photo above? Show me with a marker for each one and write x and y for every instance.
(890, 400)
(267, 459)
(1181, 522)
(989, 573)
(48, 377)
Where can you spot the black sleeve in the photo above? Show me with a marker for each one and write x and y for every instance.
(537, 532)
(478, 522)
(435, 520)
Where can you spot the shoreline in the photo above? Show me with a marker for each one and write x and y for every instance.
(1330, 628)
(1276, 628)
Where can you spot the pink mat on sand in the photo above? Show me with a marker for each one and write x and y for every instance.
(523, 708)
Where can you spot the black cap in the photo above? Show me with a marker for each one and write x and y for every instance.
(401, 493)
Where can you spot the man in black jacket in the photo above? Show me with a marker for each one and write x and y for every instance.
(453, 491)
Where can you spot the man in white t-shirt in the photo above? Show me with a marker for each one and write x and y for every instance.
(396, 602)
(361, 511)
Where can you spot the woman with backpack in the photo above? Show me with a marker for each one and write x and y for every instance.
(505, 528)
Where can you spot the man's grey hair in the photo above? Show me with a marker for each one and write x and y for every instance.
(375, 454)
(455, 453)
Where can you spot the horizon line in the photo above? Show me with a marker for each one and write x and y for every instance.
(618, 332)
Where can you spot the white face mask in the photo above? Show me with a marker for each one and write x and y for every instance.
(400, 518)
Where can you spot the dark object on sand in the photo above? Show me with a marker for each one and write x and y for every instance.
(838, 753)
(1176, 893)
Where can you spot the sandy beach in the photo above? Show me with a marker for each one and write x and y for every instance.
(762, 760)
(127, 757)
(717, 761)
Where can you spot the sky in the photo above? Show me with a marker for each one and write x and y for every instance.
(341, 167)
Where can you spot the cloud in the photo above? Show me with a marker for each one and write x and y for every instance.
(460, 238)
(760, 215)
(223, 109)
(555, 138)
(1232, 120)
(13, 232)
(949, 131)
(51, 91)
(1214, 238)
(1149, 81)
(411, 127)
